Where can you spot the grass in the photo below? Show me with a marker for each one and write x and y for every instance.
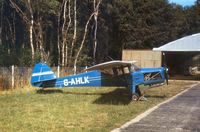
(89, 109)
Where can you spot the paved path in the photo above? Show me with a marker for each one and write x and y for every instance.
(181, 114)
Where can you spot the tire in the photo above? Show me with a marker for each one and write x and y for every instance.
(135, 97)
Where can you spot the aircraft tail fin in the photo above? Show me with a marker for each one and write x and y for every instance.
(41, 72)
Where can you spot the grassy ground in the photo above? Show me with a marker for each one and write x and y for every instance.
(90, 109)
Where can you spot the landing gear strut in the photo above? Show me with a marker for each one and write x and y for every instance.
(138, 95)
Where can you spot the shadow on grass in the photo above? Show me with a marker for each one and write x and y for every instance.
(156, 96)
(115, 97)
(49, 91)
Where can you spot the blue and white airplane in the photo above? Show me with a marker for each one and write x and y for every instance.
(113, 73)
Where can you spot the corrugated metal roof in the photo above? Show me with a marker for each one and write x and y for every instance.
(188, 43)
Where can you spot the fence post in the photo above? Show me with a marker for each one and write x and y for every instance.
(86, 68)
(74, 69)
(58, 71)
(13, 78)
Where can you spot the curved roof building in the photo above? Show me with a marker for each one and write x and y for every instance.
(186, 44)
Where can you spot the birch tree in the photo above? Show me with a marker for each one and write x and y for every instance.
(58, 32)
(96, 10)
(75, 30)
(28, 20)
(31, 29)
(85, 31)
(64, 15)
(67, 32)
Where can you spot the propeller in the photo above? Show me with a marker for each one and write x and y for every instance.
(166, 75)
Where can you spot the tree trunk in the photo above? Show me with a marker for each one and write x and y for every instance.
(31, 40)
(41, 42)
(95, 32)
(63, 33)
(75, 28)
(96, 10)
(66, 35)
(58, 35)
(85, 33)
(28, 22)
(31, 32)
(83, 40)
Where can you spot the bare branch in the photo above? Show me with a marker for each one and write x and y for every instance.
(83, 40)
(18, 10)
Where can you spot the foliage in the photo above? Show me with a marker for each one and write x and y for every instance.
(25, 58)
(122, 24)
(7, 57)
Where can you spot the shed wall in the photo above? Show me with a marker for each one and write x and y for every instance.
(144, 58)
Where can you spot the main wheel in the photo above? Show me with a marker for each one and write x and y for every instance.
(135, 97)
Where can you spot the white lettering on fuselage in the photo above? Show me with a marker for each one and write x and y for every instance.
(76, 81)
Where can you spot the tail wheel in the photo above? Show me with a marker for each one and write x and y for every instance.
(135, 97)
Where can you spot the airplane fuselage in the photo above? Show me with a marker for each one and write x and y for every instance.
(97, 79)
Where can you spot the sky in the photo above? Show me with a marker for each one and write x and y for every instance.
(183, 2)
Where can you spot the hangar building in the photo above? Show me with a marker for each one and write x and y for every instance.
(182, 56)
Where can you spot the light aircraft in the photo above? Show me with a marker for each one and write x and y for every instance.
(112, 73)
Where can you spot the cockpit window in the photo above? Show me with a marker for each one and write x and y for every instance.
(126, 70)
(117, 71)
(120, 70)
(134, 68)
(107, 71)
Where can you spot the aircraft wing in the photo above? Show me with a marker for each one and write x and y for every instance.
(110, 64)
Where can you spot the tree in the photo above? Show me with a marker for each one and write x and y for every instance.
(193, 18)
(27, 18)
(94, 14)
(65, 32)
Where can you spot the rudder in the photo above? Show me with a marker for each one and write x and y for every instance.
(41, 72)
